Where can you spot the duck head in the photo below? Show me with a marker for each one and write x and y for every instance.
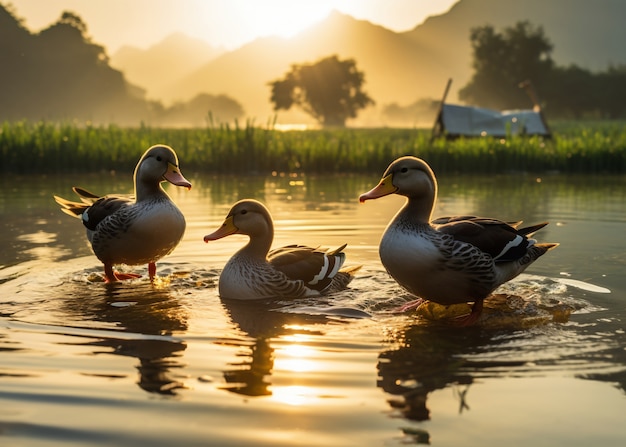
(159, 164)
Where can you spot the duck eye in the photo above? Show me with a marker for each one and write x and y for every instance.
(404, 170)
(244, 211)
(159, 158)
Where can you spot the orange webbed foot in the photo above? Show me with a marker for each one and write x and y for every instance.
(111, 276)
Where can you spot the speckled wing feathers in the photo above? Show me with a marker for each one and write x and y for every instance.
(93, 209)
(501, 240)
(114, 222)
(315, 266)
(109, 206)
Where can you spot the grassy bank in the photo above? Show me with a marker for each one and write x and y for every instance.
(54, 148)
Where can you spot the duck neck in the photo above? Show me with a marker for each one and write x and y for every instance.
(421, 199)
(420, 208)
(260, 243)
(145, 190)
(417, 211)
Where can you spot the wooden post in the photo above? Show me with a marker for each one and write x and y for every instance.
(439, 117)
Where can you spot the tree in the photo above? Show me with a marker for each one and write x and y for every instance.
(522, 52)
(502, 61)
(59, 74)
(330, 90)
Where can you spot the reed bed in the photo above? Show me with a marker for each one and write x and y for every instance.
(44, 147)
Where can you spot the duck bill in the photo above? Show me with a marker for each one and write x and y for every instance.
(384, 188)
(227, 228)
(174, 176)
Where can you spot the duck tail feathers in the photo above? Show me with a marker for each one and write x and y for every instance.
(529, 231)
(337, 251)
(70, 208)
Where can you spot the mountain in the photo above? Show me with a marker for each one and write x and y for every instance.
(394, 65)
(162, 64)
(403, 67)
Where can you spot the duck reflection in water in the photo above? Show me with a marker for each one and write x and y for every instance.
(148, 317)
(430, 357)
(260, 321)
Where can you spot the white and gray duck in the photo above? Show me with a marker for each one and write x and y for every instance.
(448, 260)
(257, 272)
(133, 230)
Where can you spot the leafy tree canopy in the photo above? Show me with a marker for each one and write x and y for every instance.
(330, 90)
(60, 74)
(502, 60)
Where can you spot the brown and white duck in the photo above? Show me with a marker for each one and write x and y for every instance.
(294, 271)
(139, 230)
(448, 260)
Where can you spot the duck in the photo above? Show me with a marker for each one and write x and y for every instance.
(448, 260)
(293, 271)
(137, 229)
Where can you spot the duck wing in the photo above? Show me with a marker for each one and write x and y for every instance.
(93, 209)
(503, 241)
(103, 208)
(316, 267)
(452, 219)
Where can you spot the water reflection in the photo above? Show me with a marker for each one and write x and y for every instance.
(149, 316)
(294, 188)
(426, 356)
(260, 322)
(429, 358)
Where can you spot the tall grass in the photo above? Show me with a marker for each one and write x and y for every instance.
(45, 147)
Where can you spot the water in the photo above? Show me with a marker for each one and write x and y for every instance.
(134, 363)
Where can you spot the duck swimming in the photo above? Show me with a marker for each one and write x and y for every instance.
(139, 230)
(294, 271)
(448, 260)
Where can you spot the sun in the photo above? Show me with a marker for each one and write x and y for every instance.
(283, 17)
(240, 21)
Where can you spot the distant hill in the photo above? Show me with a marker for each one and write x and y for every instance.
(394, 65)
(403, 67)
(157, 67)
(58, 74)
(588, 34)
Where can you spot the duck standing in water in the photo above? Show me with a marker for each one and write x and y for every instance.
(142, 230)
(294, 271)
(448, 260)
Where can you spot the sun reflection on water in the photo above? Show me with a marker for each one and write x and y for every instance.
(297, 362)
(294, 395)
(297, 358)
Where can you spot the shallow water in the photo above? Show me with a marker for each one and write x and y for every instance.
(169, 363)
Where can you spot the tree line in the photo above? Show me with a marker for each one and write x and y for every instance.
(504, 60)
(58, 74)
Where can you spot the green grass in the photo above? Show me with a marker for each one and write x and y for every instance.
(577, 147)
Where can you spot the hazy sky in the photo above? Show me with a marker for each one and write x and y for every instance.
(225, 23)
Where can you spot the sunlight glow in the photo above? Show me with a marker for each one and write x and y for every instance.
(250, 19)
(297, 337)
(295, 395)
(226, 24)
(296, 358)
(284, 18)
